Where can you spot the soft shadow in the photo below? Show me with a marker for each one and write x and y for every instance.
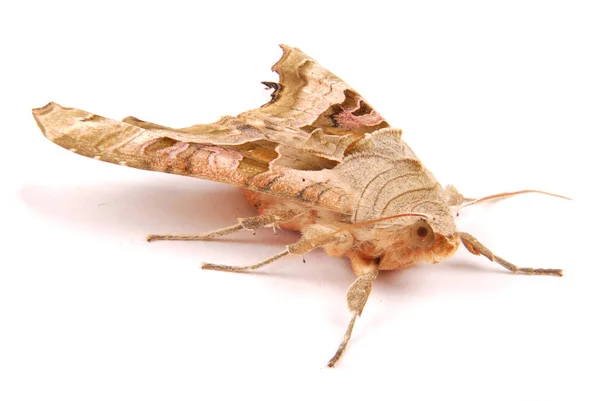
(133, 210)
(482, 266)
(138, 209)
(320, 268)
(453, 276)
(450, 279)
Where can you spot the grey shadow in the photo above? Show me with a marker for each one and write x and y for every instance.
(401, 288)
(130, 211)
(138, 208)
(133, 210)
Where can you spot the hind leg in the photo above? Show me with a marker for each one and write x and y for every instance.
(248, 223)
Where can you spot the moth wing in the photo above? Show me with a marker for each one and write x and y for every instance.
(311, 110)
(388, 179)
(310, 97)
(247, 165)
(286, 148)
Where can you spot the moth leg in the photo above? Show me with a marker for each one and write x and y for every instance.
(197, 237)
(304, 245)
(248, 223)
(226, 268)
(356, 298)
(477, 248)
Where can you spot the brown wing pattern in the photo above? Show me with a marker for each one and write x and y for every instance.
(286, 148)
(309, 97)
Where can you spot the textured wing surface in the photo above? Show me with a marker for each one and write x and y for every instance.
(286, 148)
(246, 165)
(388, 179)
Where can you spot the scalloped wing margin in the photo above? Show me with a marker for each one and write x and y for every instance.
(286, 148)
(246, 165)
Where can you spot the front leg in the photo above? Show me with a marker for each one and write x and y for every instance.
(357, 297)
(477, 248)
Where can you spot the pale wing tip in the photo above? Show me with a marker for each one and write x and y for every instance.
(39, 113)
(52, 119)
(285, 51)
(132, 120)
(287, 48)
(43, 110)
(288, 52)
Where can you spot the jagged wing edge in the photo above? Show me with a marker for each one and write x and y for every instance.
(121, 143)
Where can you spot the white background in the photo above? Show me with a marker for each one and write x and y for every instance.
(491, 97)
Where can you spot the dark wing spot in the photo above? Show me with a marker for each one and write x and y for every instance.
(320, 195)
(300, 195)
(276, 91)
(269, 184)
(248, 129)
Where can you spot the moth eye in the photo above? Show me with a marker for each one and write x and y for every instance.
(421, 235)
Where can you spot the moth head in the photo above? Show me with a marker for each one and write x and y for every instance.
(404, 239)
(419, 241)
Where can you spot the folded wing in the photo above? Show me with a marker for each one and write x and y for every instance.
(286, 148)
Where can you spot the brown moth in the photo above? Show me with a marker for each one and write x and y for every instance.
(317, 159)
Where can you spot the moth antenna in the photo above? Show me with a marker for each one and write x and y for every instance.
(369, 222)
(470, 202)
(380, 219)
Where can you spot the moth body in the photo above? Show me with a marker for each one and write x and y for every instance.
(392, 247)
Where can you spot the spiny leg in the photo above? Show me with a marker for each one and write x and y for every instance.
(197, 237)
(225, 268)
(249, 223)
(477, 248)
(356, 298)
(304, 245)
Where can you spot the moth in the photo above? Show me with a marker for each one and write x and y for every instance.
(316, 159)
